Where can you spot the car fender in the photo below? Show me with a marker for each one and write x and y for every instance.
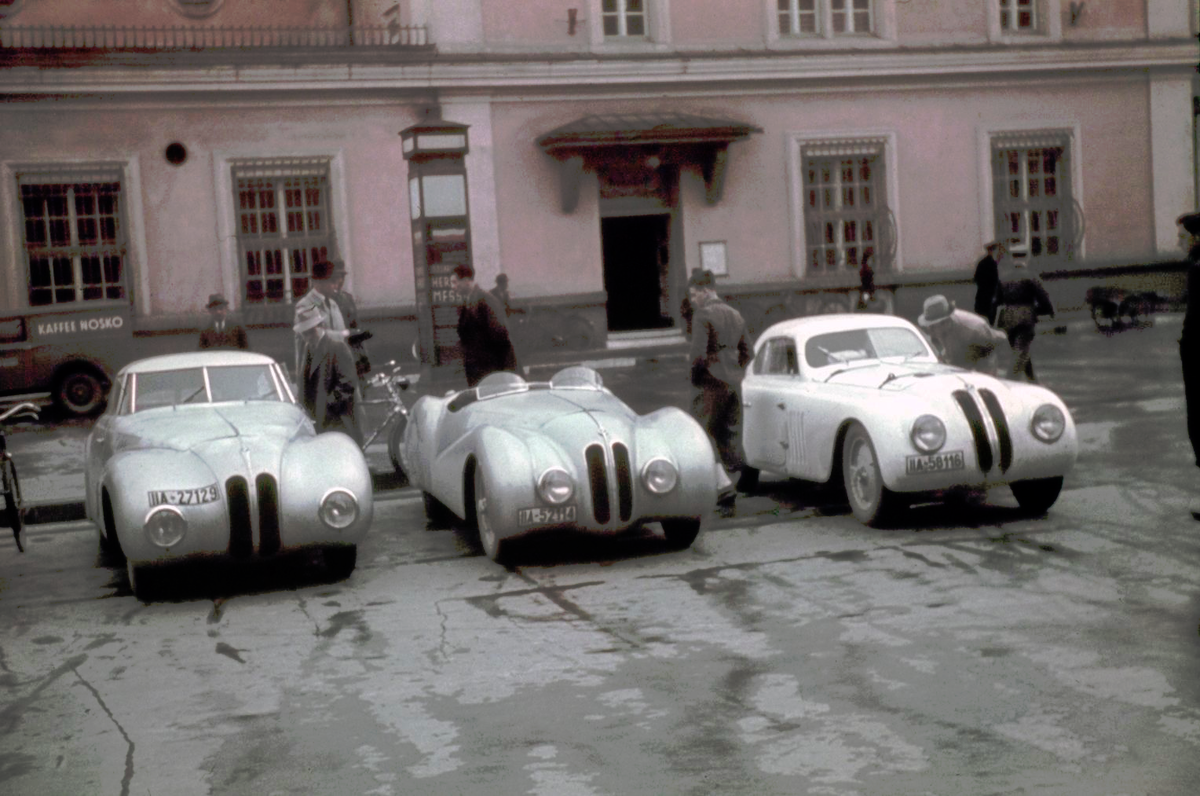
(131, 477)
(312, 467)
(887, 419)
(508, 465)
(673, 433)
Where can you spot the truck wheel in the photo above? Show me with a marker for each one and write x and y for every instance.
(79, 392)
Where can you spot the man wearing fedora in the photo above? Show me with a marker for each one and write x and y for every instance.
(719, 355)
(962, 338)
(222, 333)
(327, 382)
(323, 297)
(1189, 340)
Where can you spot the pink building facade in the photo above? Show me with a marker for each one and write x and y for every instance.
(191, 147)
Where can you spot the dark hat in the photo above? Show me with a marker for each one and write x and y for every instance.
(327, 269)
(937, 309)
(215, 300)
(700, 279)
(1190, 222)
(502, 279)
(464, 271)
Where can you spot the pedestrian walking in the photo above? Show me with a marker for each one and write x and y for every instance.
(719, 355)
(500, 291)
(482, 329)
(322, 296)
(328, 384)
(221, 332)
(964, 339)
(1189, 340)
(1023, 299)
(987, 281)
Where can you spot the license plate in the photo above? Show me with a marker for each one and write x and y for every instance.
(184, 497)
(935, 462)
(544, 516)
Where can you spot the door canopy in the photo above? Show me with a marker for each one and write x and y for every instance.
(658, 139)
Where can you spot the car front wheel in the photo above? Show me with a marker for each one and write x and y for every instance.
(681, 532)
(870, 500)
(489, 540)
(143, 581)
(341, 560)
(1037, 495)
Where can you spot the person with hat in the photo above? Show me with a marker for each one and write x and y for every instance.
(327, 383)
(1189, 339)
(482, 329)
(1022, 300)
(323, 297)
(221, 333)
(719, 354)
(987, 281)
(964, 339)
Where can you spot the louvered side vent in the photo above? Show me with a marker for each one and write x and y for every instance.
(598, 479)
(624, 481)
(983, 448)
(241, 534)
(268, 515)
(1001, 422)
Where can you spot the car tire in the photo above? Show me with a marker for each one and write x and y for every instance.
(681, 532)
(1037, 495)
(14, 513)
(436, 513)
(341, 560)
(79, 392)
(394, 442)
(143, 581)
(110, 548)
(870, 501)
(747, 482)
(489, 539)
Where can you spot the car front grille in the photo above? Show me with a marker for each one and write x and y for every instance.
(598, 468)
(241, 528)
(979, 431)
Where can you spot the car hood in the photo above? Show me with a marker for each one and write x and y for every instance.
(570, 417)
(916, 379)
(254, 429)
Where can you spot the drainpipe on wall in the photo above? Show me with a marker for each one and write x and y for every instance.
(350, 20)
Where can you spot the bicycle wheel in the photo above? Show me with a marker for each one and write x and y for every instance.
(14, 516)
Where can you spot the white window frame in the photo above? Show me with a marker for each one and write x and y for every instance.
(987, 207)
(1048, 27)
(12, 218)
(796, 141)
(228, 222)
(882, 32)
(658, 27)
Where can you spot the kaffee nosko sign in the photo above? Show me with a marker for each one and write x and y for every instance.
(59, 326)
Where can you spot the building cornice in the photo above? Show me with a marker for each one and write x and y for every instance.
(498, 74)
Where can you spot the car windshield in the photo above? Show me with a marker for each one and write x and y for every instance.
(187, 386)
(502, 383)
(576, 378)
(851, 345)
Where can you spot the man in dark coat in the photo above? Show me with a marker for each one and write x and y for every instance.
(1189, 340)
(719, 355)
(482, 330)
(1023, 299)
(222, 333)
(987, 282)
(327, 381)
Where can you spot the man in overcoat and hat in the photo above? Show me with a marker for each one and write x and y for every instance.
(719, 354)
(323, 297)
(221, 332)
(482, 329)
(962, 338)
(1189, 340)
(326, 379)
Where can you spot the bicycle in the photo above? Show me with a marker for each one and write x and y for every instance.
(14, 511)
(394, 382)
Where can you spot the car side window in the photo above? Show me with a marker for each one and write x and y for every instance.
(777, 358)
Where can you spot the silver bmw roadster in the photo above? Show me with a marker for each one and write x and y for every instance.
(208, 454)
(511, 456)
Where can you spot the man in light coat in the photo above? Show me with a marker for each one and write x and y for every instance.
(327, 382)
(962, 338)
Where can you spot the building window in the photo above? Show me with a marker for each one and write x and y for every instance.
(845, 206)
(75, 243)
(825, 17)
(1034, 210)
(283, 226)
(623, 18)
(1018, 16)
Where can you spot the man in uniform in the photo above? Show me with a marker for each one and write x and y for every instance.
(719, 355)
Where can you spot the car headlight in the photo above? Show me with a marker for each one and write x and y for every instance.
(165, 526)
(339, 509)
(928, 434)
(1048, 423)
(555, 486)
(660, 476)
